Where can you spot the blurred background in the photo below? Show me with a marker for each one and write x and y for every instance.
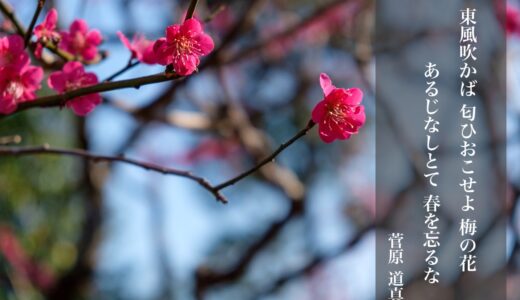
(301, 228)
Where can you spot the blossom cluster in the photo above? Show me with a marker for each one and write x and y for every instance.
(339, 114)
(181, 49)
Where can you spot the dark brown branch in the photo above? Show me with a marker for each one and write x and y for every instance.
(320, 12)
(8, 11)
(29, 31)
(191, 9)
(207, 278)
(128, 66)
(70, 284)
(215, 190)
(61, 99)
(46, 150)
(268, 159)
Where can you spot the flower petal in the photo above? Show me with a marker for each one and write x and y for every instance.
(355, 96)
(32, 77)
(160, 48)
(205, 42)
(124, 40)
(326, 84)
(73, 68)
(15, 43)
(325, 134)
(51, 19)
(83, 105)
(7, 106)
(318, 112)
(172, 31)
(89, 53)
(191, 27)
(94, 37)
(78, 25)
(89, 79)
(57, 81)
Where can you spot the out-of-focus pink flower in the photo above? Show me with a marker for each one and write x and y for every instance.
(512, 20)
(6, 25)
(317, 32)
(80, 41)
(72, 77)
(12, 53)
(223, 20)
(340, 114)
(211, 149)
(183, 46)
(22, 264)
(18, 85)
(46, 31)
(141, 48)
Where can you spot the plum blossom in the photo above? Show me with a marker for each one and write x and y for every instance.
(183, 46)
(46, 31)
(140, 47)
(12, 53)
(18, 79)
(512, 20)
(72, 77)
(340, 114)
(80, 41)
(17, 85)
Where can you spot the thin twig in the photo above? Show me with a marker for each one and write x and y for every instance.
(8, 11)
(268, 159)
(215, 13)
(191, 9)
(215, 190)
(128, 66)
(29, 31)
(289, 32)
(46, 150)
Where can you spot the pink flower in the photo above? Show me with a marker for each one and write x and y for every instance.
(182, 46)
(141, 48)
(46, 31)
(512, 20)
(80, 41)
(12, 53)
(339, 114)
(72, 77)
(18, 85)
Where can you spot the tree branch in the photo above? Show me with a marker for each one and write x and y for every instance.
(268, 159)
(61, 99)
(28, 34)
(8, 11)
(191, 9)
(215, 190)
(128, 66)
(46, 150)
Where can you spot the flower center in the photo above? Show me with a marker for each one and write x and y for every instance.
(339, 113)
(183, 45)
(14, 89)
